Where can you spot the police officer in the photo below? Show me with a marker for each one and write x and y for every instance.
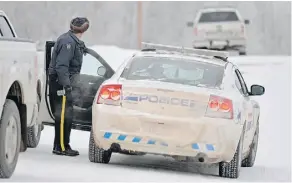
(64, 73)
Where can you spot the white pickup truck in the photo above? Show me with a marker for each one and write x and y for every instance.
(20, 94)
(221, 29)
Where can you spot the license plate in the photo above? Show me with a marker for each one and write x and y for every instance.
(219, 42)
(219, 34)
(212, 33)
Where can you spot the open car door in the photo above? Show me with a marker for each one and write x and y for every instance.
(83, 93)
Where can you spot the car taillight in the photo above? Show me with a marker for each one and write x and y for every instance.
(109, 94)
(219, 107)
(196, 31)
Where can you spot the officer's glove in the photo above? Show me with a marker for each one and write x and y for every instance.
(68, 93)
(68, 89)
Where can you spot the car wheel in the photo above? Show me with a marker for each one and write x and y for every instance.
(242, 53)
(10, 138)
(231, 169)
(34, 132)
(201, 48)
(250, 159)
(96, 154)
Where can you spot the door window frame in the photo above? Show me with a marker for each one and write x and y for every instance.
(48, 56)
(244, 90)
(9, 26)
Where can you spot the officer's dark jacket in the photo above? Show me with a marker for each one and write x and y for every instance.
(67, 58)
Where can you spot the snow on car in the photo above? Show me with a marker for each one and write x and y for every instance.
(192, 105)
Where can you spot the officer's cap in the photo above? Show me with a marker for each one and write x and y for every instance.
(79, 25)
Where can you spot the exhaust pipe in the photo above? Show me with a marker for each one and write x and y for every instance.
(201, 160)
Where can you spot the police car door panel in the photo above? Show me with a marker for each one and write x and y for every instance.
(87, 89)
(83, 103)
(88, 86)
(90, 81)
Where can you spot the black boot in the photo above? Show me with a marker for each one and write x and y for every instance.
(58, 150)
(69, 149)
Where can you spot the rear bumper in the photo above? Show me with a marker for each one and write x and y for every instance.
(214, 139)
(220, 43)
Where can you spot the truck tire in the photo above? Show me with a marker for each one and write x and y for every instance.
(34, 132)
(34, 136)
(10, 133)
(250, 159)
(232, 169)
(96, 154)
(242, 53)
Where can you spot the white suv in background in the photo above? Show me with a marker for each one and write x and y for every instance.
(219, 28)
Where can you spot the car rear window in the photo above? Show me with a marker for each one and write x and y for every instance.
(227, 16)
(175, 70)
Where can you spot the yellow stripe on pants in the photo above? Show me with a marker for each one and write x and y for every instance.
(62, 123)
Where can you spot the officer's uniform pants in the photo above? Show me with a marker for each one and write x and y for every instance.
(56, 107)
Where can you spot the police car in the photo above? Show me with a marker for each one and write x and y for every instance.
(192, 105)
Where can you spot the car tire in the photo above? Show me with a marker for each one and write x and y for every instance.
(200, 48)
(232, 169)
(34, 132)
(242, 53)
(10, 118)
(96, 154)
(250, 159)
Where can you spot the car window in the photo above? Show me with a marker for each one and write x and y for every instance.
(171, 71)
(222, 16)
(5, 28)
(90, 65)
(175, 70)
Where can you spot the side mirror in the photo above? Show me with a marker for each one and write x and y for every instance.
(190, 24)
(257, 90)
(101, 71)
(246, 22)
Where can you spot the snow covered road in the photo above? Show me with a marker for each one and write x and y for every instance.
(273, 161)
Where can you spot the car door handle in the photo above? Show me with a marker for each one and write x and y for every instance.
(15, 61)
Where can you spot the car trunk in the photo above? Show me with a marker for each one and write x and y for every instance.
(166, 99)
(166, 109)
